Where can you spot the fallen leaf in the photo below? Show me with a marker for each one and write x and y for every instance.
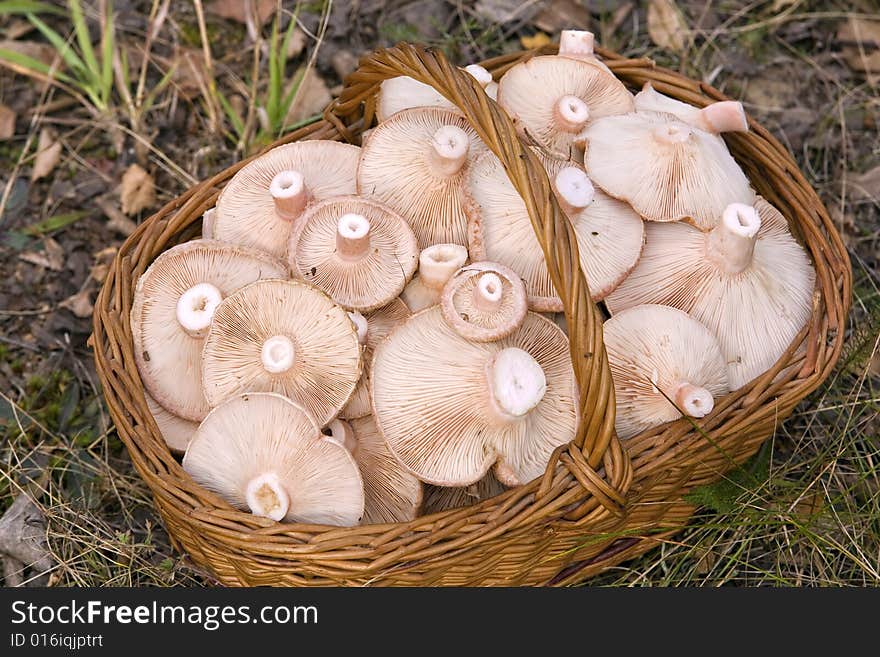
(505, 11)
(48, 154)
(559, 15)
(7, 122)
(297, 42)
(23, 543)
(311, 98)
(344, 63)
(867, 185)
(137, 190)
(534, 41)
(861, 40)
(51, 257)
(666, 25)
(80, 304)
(237, 10)
(118, 222)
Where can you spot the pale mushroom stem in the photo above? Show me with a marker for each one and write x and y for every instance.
(438, 263)
(195, 308)
(360, 324)
(693, 400)
(516, 384)
(574, 190)
(288, 190)
(480, 74)
(488, 293)
(724, 116)
(672, 133)
(731, 244)
(352, 237)
(571, 114)
(449, 150)
(342, 434)
(577, 44)
(266, 497)
(208, 224)
(278, 354)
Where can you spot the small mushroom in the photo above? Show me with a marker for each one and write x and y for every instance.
(553, 98)
(437, 264)
(208, 224)
(358, 251)
(720, 116)
(748, 281)
(403, 92)
(415, 162)
(286, 337)
(664, 364)
(665, 169)
(450, 409)
(578, 44)
(484, 301)
(176, 431)
(262, 453)
(444, 498)
(372, 329)
(610, 235)
(174, 302)
(259, 205)
(391, 493)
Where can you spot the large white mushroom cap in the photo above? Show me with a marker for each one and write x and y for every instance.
(720, 116)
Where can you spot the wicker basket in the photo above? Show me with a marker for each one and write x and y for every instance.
(600, 502)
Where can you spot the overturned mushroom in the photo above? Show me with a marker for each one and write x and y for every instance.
(174, 302)
(437, 264)
(664, 364)
(748, 281)
(720, 116)
(484, 301)
(259, 205)
(443, 498)
(450, 409)
(263, 453)
(176, 431)
(403, 92)
(285, 337)
(358, 251)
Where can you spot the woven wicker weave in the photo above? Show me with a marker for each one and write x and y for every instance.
(599, 502)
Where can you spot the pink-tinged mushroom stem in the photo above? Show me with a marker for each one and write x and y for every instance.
(576, 43)
(672, 133)
(692, 400)
(278, 354)
(342, 434)
(360, 324)
(571, 114)
(724, 116)
(195, 308)
(449, 150)
(488, 293)
(266, 496)
(352, 237)
(574, 190)
(288, 189)
(480, 74)
(731, 244)
(438, 263)
(516, 384)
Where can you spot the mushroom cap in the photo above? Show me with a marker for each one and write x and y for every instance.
(396, 167)
(433, 404)
(245, 212)
(484, 301)
(362, 281)
(391, 493)
(755, 313)
(530, 92)
(169, 358)
(610, 235)
(437, 264)
(654, 352)
(665, 169)
(444, 498)
(403, 92)
(176, 431)
(380, 323)
(258, 435)
(720, 116)
(286, 337)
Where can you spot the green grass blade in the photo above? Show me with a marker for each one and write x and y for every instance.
(34, 65)
(64, 49)
(81, 29)
(157, 89)
(234, 118)
(53, 224)
(107, 47)
(276, 71)
(28, 7)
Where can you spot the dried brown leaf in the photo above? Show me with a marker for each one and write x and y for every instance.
(534, 41)
(51, 257)
(861, 40)
(667, 26)
(137, 191)
(237, 10)
(311, 98)
(80, 304)
(867, 185)
(7, 122)
(48, 154)
(118, 222)
(559, 15)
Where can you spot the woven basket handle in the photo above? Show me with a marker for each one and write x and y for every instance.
(553, 229)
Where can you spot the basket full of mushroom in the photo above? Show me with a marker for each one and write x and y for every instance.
(477, 326)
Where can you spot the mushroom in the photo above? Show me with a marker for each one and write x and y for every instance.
(553, 98)
(403, 92)
(665, 169)
(262, 452)
(720, 116)
(260, 203)
(450, 409)
(176, 431)
(286, 337)
(358, 251)
(208, 224)
(748, 281)
(372, 329)
(391, 493)
(610, 235)
(578, 44)
(664, 364)
(484, 301)
(174, 302)
(444, 498)
(437, 264)
(415, 162)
